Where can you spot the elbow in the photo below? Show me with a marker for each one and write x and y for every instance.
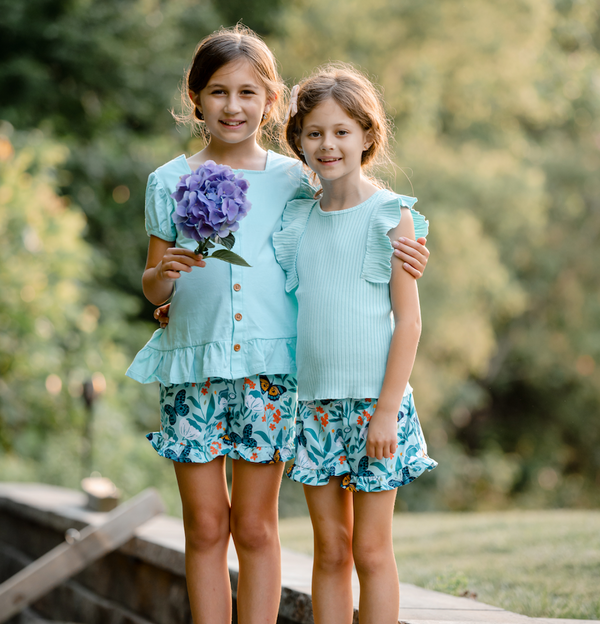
(410, 325)
(417, 326)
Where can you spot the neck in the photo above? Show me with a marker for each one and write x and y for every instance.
(244, 155)
(346, 192)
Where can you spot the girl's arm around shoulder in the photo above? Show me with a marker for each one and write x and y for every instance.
(382, 437)
(163, 266)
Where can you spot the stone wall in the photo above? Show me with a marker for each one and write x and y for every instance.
(143, 582)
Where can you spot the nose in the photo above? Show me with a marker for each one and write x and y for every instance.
(232, 105)
(327, 143)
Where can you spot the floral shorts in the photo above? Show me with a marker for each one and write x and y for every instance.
(250, 418)
(331, 440)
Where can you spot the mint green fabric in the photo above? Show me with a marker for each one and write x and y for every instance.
(199, 341)
(338, 264)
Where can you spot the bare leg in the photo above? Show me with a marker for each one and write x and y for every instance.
(205, 499)
(255, 530)
(374, 557)
(330, 509)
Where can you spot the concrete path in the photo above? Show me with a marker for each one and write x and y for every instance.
(161, 542)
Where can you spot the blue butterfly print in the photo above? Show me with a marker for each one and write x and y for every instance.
(273, 391)
(363, 466)
(301, 436)
(183, 458)
(235, 438)
(179, 407)
(407, 477)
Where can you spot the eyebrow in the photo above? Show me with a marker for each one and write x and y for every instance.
(314, 125)
(212, 85)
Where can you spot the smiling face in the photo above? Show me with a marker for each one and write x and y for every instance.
(233, 103)
(333, 142)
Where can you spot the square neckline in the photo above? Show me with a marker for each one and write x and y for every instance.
(267, 164)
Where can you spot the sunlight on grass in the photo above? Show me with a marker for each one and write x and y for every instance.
(538, 563)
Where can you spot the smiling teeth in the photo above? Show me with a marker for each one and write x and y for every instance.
(232, 123)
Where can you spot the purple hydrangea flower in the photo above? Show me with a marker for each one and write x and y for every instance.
(211, 202)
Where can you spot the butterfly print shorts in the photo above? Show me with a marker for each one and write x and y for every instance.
(250, 418)
(331, 440)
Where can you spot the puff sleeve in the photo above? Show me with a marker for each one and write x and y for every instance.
(386, 216)
(159, 210)
(287, 240)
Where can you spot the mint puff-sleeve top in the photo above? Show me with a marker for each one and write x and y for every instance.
(338, 264)
(225, 320)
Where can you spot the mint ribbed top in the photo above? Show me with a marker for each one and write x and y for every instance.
(339, 264)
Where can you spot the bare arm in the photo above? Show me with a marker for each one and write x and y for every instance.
(163, 266)
(382, 437)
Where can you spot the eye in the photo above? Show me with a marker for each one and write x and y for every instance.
(314, 134)
(217, 92)
(343, 132)
(248, 92)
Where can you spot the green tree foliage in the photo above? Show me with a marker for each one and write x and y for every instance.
(496, 109)
(102, 77)
(60, 330)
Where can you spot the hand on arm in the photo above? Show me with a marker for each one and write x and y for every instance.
(382, 437)
(162, 315)
(163, 266)
(413, 253)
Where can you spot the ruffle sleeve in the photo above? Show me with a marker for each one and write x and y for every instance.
(386, 216)
(305, 190)
(159, 209)
(287, 240)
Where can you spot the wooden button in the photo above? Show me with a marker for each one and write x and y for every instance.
(236, 347)
(238, 317)
(237, 287)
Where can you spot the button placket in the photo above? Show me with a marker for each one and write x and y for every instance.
(237, 309)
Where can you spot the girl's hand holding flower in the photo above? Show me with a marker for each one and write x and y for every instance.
(176, 260)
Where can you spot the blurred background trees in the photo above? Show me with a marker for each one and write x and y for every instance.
(496, 111)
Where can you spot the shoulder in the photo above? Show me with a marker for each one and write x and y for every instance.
(394, 208)
(402, 201)
(298, 210)
(167, 175)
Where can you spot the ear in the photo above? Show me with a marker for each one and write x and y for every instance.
(270, 102)
(194, 97)
(298, 144)
(369, 140)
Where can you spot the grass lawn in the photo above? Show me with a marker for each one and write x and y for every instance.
(537, 563)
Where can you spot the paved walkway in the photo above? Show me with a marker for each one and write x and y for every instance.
(161, 542)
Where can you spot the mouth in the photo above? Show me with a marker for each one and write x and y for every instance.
(231, 123)
(328, 161)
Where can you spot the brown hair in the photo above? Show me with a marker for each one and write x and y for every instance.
(357, 95)
(226, 46)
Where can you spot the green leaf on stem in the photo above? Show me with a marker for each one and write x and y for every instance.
(229, 256)
(228, 241)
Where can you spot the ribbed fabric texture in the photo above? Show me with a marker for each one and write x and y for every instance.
(342, 268)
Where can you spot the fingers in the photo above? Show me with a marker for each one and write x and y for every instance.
(177, 260)
(183, 256)
(162, 312)
(381, 450)
(414, 254)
